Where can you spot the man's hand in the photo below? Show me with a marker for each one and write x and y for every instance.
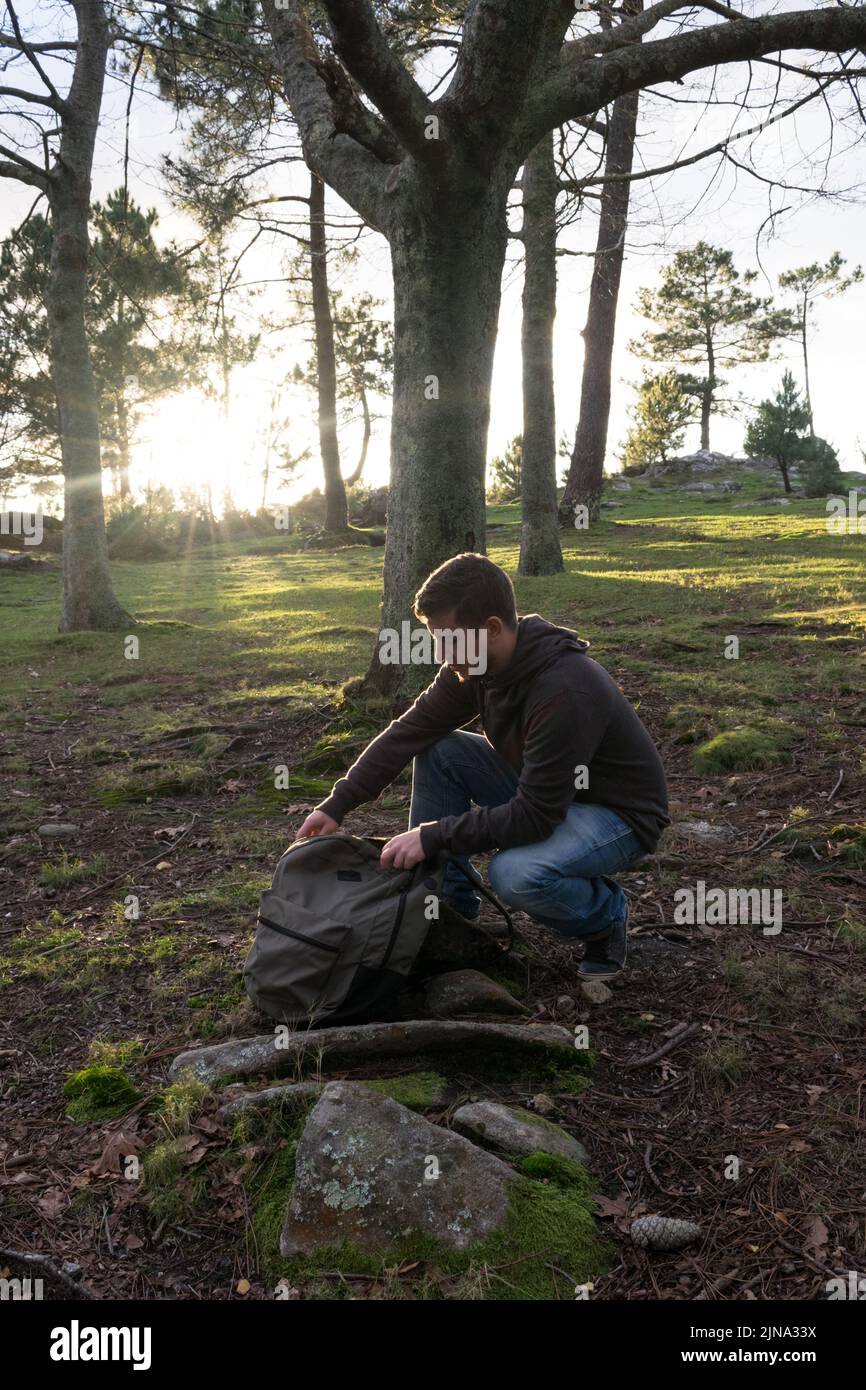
(317, 823)
(403, 851)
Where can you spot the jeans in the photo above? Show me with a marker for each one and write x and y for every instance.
(563, 881)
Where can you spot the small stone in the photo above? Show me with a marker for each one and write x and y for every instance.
(469, 992)
(542, 1104)
(702, 830)
(58, 829)
(663, 1232)
(71, 1269)
(512, 1130)
(596, 991)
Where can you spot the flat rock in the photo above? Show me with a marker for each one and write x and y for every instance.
(369, 1171)
(58, 829)
(469, 992)
(277, 1054)
(512, 1130)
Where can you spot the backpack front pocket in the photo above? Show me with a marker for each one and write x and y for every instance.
(292, 969)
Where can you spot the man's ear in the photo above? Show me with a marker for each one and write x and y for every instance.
(494, 627)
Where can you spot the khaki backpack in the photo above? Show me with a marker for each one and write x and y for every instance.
(337, 934)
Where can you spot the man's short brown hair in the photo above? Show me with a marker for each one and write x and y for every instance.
(472, 588)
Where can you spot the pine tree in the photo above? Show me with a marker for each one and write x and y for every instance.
(659, 420)
(780, 428)
(708, 317)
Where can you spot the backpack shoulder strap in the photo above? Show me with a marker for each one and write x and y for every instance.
(447, 857)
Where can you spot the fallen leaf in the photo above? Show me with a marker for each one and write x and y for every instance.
(134, 1243)
(111, 1160)
(52, 1202)
(163, 864)
(816, 1237)
(243, 1286)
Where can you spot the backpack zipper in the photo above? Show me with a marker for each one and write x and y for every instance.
(285, 931)
(401, 908)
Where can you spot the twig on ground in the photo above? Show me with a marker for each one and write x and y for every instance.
(43, 1262)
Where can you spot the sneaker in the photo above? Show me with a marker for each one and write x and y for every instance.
(605, 955)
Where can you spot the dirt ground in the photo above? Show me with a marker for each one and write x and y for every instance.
(768, 1077)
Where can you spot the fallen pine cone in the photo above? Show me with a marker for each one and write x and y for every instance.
(663, 1232)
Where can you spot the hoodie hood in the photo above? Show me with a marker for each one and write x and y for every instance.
(539, 644)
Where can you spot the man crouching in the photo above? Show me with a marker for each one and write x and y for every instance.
(565, 783)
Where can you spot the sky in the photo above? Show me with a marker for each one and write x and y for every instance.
(767, 229)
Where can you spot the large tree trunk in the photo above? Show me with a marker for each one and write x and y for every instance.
(584, 483)
(540, 551)
(447, 256)
(88, 597)
(336, 509)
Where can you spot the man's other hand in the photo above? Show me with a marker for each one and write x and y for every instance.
(317, 823)
(403, 851)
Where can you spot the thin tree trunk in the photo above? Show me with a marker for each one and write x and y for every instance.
(706, 411)
(783, 466)
(583, 486)
(540, 551)
(88, 597)
(336, 507)
(123, 449)
(365, 442)
(447, 257)
(806, 367)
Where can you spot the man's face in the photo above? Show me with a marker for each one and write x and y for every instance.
(467, 651)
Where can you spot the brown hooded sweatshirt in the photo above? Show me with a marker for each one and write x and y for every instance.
(552, 711)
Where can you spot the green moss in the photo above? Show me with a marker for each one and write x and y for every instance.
(142, 780)
(180, 1103)
(740, 750)
(419, 1090)
(99, 1093)
(853, 932)
(850, 841)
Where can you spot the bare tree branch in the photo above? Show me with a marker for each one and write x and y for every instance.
(352, 170)
(20, 168)
(364, 51)
(22, 95)
(10, 41)
(630, 30)
(591, 84)
(30, 54)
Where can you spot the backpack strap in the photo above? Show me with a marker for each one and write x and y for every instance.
(448, 857)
